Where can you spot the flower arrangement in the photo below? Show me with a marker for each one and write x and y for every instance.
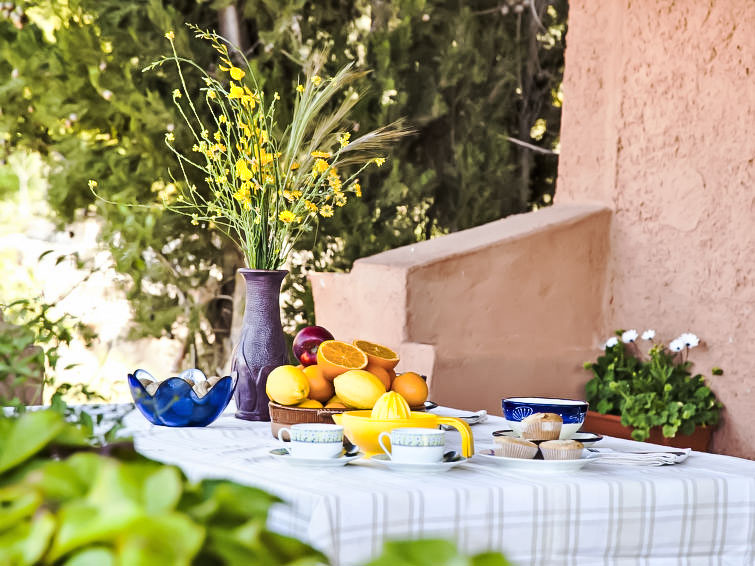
(266, 184)
(656, 389)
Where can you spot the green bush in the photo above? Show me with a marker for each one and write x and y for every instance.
(469, 76)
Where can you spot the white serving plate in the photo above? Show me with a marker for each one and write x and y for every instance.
(540, 466)
(284, 455)
(586, 438)
(415, 468)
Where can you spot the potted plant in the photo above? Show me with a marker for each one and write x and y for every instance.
(651, 397)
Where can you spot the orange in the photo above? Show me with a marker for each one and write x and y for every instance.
(378, 355)
(309, 404)
(320, 389)
(335, 357)
(384, 375)
(411, 387)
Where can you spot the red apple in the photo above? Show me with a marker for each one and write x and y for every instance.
(306, 343)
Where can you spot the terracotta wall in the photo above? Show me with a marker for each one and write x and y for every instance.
(508, 308)
(659, 125)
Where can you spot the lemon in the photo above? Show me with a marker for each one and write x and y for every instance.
(287, 385)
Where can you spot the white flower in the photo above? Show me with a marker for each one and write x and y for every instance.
(676, 345)
(689, 340)
(648, 334)
(611, 342)
(629, 336)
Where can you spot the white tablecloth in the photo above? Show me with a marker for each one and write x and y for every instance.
(698, 512)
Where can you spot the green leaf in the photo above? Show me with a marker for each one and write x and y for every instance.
(28, 435)
(169, 538)
(94, 556)
(27, 541)
(420, 553)
(162, 490)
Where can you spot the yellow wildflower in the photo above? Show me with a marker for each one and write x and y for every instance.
(344, 139)
(316, 80)
(312, 207)
(334, 181)
(242, 194)
(296, 194)
(211, 94)
(242, 170)
(276, 96)
(319, 167)
(194, 219)
(300, 88)
(216, 135)
(326, 211)
(205, 134)
(236, 73)
(236, 92)
(170, 137)
(195, 147)
(379, 161)
(170, 35)
(287, 216)
(294, 166)
(321, 154)
(288, 195)
(357, 188)
(222, 119)
(92, 183)
(176, 93)
(339, 198)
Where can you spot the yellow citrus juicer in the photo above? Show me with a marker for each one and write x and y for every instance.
(363, 430)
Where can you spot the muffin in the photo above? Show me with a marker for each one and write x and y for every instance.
(541, 426)
(514, 447)
(561, 449)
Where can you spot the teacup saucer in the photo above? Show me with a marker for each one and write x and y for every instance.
(285, 456)
(586, 438)
(416, 467)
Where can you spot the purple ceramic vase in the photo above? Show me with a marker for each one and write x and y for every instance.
(262, 345)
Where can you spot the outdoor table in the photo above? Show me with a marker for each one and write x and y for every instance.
(701, 511)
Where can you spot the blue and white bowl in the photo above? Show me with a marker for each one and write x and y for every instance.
(571, 411)
(176, 403)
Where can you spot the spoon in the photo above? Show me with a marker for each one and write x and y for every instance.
(451, 456)
(351, 451)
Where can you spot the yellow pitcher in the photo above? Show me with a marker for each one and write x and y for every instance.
(362, 430)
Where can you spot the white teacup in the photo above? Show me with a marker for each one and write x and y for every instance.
(314, 440)
(414, 445)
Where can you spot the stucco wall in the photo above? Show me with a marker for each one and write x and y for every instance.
(508, 308)
(659, 124)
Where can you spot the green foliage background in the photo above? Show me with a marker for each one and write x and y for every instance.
(468, 75)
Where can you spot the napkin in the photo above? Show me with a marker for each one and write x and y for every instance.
(472, 417)
(661, 458)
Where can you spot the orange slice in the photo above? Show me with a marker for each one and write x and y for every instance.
(378, 355)
(335, 357)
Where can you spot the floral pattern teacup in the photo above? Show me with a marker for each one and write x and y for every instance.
(314, 440)
(414, 445)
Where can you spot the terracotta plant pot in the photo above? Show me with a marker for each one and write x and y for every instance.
(610, 425)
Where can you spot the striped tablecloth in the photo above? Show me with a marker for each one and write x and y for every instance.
(699, 512)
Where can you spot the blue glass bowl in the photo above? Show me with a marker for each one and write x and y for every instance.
(175, 403)
(571, 411)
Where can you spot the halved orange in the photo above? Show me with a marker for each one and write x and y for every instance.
(335, 357)
(377, 354)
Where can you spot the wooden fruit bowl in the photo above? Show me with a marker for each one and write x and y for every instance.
(284, 416)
